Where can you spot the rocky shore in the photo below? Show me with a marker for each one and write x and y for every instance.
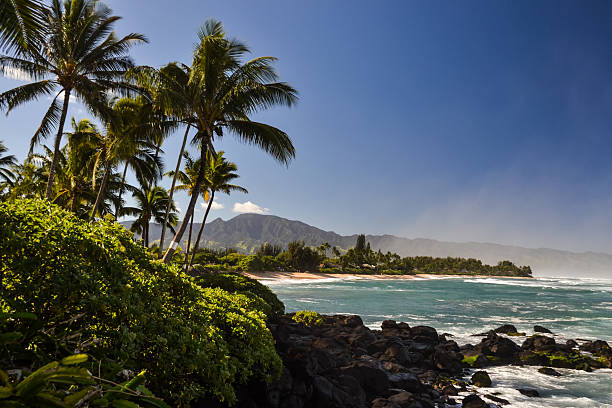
(338, 362)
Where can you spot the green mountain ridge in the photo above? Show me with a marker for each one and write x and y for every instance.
(246, 232)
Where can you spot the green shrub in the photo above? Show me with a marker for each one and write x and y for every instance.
(236, 283)
(98, 291)
(65, 384)
(308, 317)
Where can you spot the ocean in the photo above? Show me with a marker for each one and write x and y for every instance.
(571, 308)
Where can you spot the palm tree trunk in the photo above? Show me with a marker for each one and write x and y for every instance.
(178, 167)
(194, 198)
(197, 243)
(188, 243)
(121, 190)
(146, 234)
(101, 191)
(56, 148)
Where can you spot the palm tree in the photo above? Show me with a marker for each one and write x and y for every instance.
(127, 140)
(142, 130)
(225, 92)
(20, 22)
(151, 205)
(75, 51)
(173, 94)
(219, 174)
(74, 183)
(5, 162)
(187, 178)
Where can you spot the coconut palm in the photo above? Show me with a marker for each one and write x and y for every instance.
(143, 129)
(74, 183)
(224, 93)
(128, 140)
(75, 52)
(151, 205)
(20, 22)
(174, 95)
(6, 161)
(187, 178)
(219, 175)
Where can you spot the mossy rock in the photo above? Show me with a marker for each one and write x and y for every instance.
(475, 361)
(481, 379)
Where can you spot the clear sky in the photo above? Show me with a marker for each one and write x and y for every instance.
(454, 120)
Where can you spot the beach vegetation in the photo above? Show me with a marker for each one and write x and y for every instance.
(127, 311)
(308, 318)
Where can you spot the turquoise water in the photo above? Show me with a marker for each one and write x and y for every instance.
(571, 308)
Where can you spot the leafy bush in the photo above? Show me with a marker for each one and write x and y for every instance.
(308, 317)
(95, 290)
(251, 288)
(64, 384)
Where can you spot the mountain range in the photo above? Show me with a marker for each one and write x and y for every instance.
(246, 232)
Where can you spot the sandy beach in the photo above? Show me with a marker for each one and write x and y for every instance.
(317, 276)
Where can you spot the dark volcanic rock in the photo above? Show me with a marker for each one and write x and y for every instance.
(340, 363)
(539, 343)
(371, 378)
(473, 401)
(481, 379)
(529, 392)
(541, 329)
(424, 334)
(549, 371)
(498, 346)
(498, 400)
(506, 328)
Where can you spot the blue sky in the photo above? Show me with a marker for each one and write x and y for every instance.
(464, 121)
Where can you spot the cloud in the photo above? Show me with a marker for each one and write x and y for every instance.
(249, 207)
(215, 206)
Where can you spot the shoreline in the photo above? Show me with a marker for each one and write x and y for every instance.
(306, 276)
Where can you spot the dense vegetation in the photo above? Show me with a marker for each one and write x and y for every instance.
(93, 289)
(69, 49)
(358, 260)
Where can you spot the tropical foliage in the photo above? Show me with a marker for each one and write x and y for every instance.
(218, 93)
(125, 310)
(72, 52)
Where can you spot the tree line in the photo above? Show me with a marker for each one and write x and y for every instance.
(360, 259)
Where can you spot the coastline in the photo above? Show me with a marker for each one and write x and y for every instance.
(305, 276)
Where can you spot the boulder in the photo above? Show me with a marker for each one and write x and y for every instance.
(497, 400)
(424, 334)
(473, 401)
(541, 329)
(407, 382)
(384, 403)
(539, 343)
(595, 347)
(571, 343)
(373, 379)
(448, 361)
(498, 346)
(481, 379)
(549, 371)
(506, 329)
(403, 399)
(530, 392)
